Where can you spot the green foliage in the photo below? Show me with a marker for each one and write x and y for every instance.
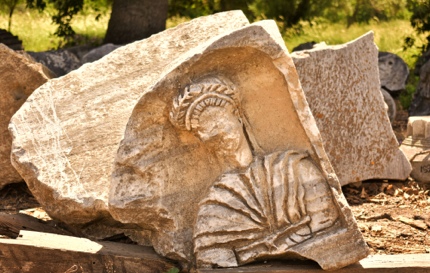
(65, 11)
(173, 270)
(9, 6)
(196, 8)
(420, 21)
(289, 13)
(406, 97)
(190, 8)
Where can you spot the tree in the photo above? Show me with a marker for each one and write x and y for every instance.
(130, 20)
(133, 20)
(10, 6)
(420, 20)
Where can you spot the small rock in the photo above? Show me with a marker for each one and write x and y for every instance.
(413, 223)
(376, 228)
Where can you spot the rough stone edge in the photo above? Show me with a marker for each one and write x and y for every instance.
(37, 68)
(400, 155)
(30, 171)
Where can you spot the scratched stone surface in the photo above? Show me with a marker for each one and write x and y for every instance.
(223, 163)
(67, 133)
(19, 77)
(341, 84)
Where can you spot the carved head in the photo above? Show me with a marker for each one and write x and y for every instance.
(210, 110)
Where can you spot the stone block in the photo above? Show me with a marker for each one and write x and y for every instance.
(67, 133)
(223, 163)
(19, 77)
(416, 147)
(393, 73)
(342, 88)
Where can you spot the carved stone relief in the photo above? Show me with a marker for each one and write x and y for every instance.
(222, 161)
(281, 200)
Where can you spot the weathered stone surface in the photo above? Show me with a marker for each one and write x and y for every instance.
(67, 133)
(99, 52)
(416, 147)
(222, 161)
(60, 61)
(393, 72)
(341, 84)
(390, 103)
(19, 77)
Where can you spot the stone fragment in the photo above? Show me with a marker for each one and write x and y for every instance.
(304, 46)
(416, 147)
(222, 161)
(99, 52)
(67, 133)
(390, 105)
(19, 77)
(341, 84)
(393, 72)
(60, 61)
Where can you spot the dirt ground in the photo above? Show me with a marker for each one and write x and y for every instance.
(393, 216)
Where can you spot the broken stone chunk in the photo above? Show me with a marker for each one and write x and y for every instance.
(19, 77)
(67, 134)
(341, 84)
(416, 147)
(222, 161)
(393, 73)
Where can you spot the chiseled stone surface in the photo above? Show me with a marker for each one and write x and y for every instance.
(67, 133)
(222, 160)
(416, 146)
(19, 77)
(341, 84)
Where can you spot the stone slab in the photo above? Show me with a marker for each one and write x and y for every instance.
(35, 252)
(67, 133)
(416, 147)
(342, 88)
(19, 77)
(404, 263)
(223, 162)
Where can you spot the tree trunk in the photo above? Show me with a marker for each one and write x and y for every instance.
(133, 20)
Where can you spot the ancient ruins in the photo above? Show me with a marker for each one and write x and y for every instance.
(342, 88)
(218, 139)
(70, 130)
(209, 144)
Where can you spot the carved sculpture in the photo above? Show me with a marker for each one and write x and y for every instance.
(223, 164)
(281, 200)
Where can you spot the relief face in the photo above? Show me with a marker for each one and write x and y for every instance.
(262, 206)
(223, 163)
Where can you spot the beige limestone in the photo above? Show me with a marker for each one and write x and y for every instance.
(67, 133)
(341, 84)
(416, 147)
(223, 162)
(19, 77)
